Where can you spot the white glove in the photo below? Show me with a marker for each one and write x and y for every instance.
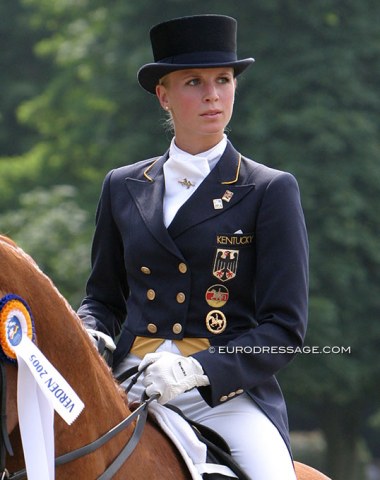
(170, 375)
(95, 336)
(103, 343)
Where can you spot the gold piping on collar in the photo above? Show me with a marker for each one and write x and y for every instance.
(237, 173)
(149, 169)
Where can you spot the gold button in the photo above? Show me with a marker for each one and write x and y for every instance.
(231, 395)
(239, 392)
(145, 270)
(151, 294)
(177, 328)
(182, 267)
(223, 398)
(181, 297)
(152, 328)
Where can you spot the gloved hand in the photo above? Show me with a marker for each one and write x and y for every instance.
(103, 343)
(170, 375)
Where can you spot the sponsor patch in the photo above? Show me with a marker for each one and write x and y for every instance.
(235, 240)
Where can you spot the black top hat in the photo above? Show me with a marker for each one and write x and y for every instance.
(200, 41)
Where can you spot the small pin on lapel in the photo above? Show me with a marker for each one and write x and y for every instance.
(227, 195)
(218, 204)
(186, 183)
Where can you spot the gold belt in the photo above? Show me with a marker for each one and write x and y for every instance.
(143, 345)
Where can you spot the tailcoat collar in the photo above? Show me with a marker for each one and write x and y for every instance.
(227, 169)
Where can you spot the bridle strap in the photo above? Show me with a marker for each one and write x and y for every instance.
(127, 374)
(92, 447)
(133, 441)
(128, 449)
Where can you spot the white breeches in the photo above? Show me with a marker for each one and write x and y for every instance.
(254, 441)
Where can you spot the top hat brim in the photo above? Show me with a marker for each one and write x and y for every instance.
(150, 74)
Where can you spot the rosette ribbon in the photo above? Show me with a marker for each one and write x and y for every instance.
(41, 389)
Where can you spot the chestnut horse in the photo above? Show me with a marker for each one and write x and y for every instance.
(63, 340)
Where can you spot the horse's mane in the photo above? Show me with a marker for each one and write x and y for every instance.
(5, 239)
(29, 262)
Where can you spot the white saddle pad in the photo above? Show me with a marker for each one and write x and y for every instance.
(191, 449)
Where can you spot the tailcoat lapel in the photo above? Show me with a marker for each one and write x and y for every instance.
(148, 194)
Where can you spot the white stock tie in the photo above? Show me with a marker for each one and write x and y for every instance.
(183, 175)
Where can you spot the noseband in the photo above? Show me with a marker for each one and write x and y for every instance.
(140, 414)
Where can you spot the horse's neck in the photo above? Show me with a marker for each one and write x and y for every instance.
(86, 372)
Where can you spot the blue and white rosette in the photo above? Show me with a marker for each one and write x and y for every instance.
(41, 389)
(15, 322)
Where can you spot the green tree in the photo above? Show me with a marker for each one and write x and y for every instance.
(52, 229)
(318, 74)
(22, 75)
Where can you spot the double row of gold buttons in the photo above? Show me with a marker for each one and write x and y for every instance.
(182, 267)
(151, 295)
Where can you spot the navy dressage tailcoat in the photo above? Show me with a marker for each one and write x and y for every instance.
(232, 268)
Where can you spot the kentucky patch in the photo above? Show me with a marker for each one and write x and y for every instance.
(225, 264)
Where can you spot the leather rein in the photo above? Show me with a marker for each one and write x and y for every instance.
(140, 413)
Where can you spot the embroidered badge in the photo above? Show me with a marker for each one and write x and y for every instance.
(216, 321)
(15, 321)
(217, 296)
(225, 264)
